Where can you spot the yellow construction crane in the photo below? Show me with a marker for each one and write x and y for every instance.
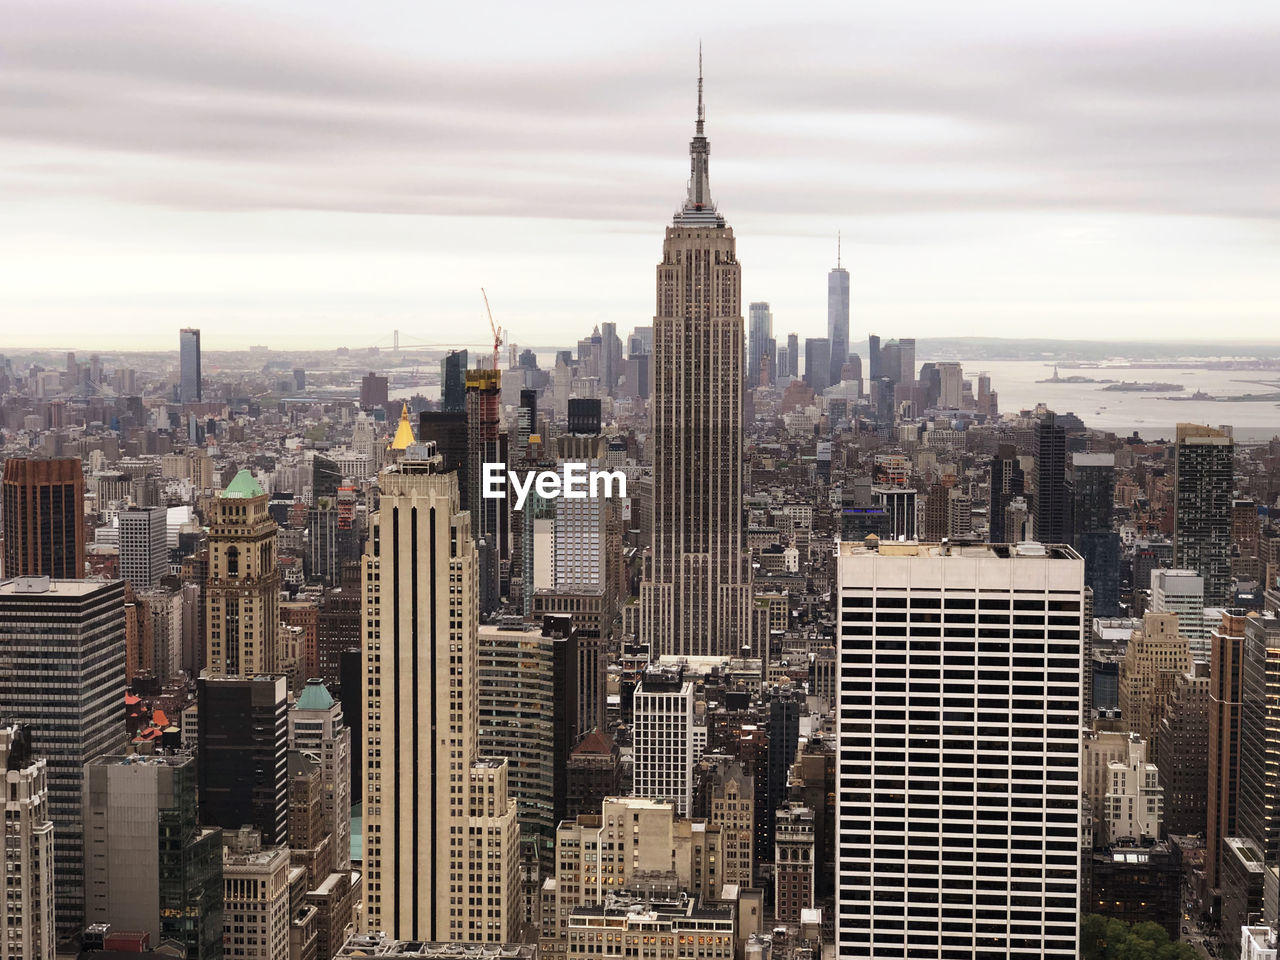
(497, 331)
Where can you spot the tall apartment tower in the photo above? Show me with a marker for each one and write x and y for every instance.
(1203, 487)
(190, 389)
(695, 600)
(316, 727)
(958, 811)
(242, 594)
(26, 913)
(243, 754)
(43, 504)
(62, 675)
(440, 834)
(663, 751)
(144, 549)
(149, 865)
(838, 317)
(1053, 509)
(759, 333)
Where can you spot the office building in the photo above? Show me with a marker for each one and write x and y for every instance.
(593, 773)
(257, 903)
(838, 318)
(653, 925)
(662, 738)
(1138, 882)
(1242, 879)
(1052, 507)
(1182, 592)
(793, 863)
(149, 865)
(190, 389)
(27, 930)
(242, 753)
(144, 550)
(484, 417)
(793, 357)
(958, 787)
(1225, 688)
(242, 594)
(453, 382)
(1182, 743)
(1203, 489)
(817, 363)
(434, 814)
(43, 504)
(759, 333)
(1007, 483)
(950, 385)
(1258, 801)
(1155, 657)
(1092, 492)
(316, 728)
(448, 431)
(62, 651)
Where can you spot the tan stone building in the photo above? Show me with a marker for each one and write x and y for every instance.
(242, 592)
(1156, 657)
(440, 833)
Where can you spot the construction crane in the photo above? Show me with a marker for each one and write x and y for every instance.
(497, 331)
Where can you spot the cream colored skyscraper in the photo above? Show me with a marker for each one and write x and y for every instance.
(243, 590)
(440, 833)
(26, 910)
(695, 600)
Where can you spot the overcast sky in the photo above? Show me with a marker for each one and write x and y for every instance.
(314, 172)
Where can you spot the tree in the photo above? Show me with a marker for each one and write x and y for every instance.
(1102, 938)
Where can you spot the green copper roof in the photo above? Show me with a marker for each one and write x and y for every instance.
(315, 696)
(243, 487)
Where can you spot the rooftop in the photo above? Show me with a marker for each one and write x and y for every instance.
(20, 586)
(243, 487)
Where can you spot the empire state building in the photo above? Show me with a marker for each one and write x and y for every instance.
(696, 598)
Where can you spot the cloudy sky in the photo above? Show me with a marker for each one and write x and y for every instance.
(315, 172)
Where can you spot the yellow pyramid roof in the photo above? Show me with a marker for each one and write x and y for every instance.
(404, 432)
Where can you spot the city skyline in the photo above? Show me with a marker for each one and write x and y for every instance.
(366, 175)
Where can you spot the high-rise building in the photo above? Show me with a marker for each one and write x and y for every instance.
(1258, 805)
(759, 332)
(62, 675)
(906, 373)
(817, 363)
(1092, 490)
(696, 596)
(453, 382)
(1182, 743)
(793, 357)
(316, 727)
(257, 901)
(190, 388)
(1007, 482)
(1226, 679)
(838, 317)
(1182, 592)
(662, 737)
(793, 863)
(968, 781)
(144, 549)
(873, 357)
(26, 920)
(242, 753)
(149, 865)
(1051, 504)
(242, 594)
(950, 385)
(484, 416)
(1203, 488)
(1155, 657)
(448, 431)
(43, 503)
(440, 833)
(373, 391)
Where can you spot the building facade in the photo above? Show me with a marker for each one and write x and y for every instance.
(1204, 461)
(26, 911)
(43, 508)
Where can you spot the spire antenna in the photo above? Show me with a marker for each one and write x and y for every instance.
(701, 113)
(837, 249)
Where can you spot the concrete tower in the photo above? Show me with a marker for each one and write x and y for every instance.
(695, 598)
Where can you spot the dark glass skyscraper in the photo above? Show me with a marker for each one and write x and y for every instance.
(453, 382)
(1093, 487)
(759, 333)
(817, 363)
(189, 386)
(1052, 506)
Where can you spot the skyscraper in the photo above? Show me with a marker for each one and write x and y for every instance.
(873, 357)
(316, 727)
(43, 518)
(759, 333)
(958, 815)
(793, 356)
(663, 738)
(144, 549)
(435, 815)
(1203, 486)
(1052, 505)
(1007, 482)
(453, 382)
(838, 317)
(242, 595)
(26, 921)
(242, 754)
(190, 389)
(62, 651)
(696, 596)
(817, 363)
(150, 866)
(1092, 490)
(484, 419)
